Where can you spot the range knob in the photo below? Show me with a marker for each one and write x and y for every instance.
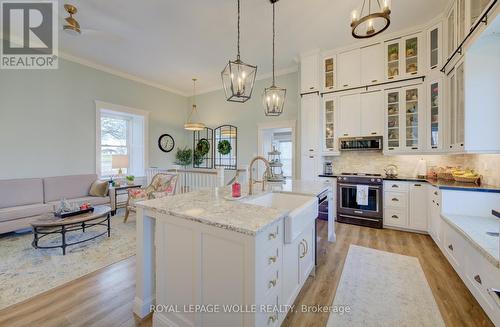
(379, 180)
(345, 178)
(339, 178)
(372, 180)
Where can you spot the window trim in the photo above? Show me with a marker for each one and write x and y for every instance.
(100, 107)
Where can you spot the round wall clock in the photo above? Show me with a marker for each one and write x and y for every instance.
(166, 143)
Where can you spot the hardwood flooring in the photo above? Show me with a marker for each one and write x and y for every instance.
(105, 297)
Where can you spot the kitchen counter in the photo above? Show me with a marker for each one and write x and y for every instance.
(215, 207)
(475, 229)
(441, 184)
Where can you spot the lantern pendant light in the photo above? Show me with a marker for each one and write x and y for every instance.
(274, 96)
(193, 126)
(372, 23)
(238, 78)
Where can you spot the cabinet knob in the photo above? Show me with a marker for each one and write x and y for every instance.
(345, 85)
(395, 185)
(417, 185)
(272, 283)
(272, 236)
(414, 73)
(450, 247)
(477, 278)
(272, 259)
(494, 291)
(311, 87)
(395, 199)
(435, 193)
(345, 134)
(374, 133)
(272, 318)
(374, 80)
(395, 216)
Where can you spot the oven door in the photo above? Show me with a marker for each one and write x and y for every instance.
(346, 201)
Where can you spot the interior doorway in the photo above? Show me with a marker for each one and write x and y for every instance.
(279, 136)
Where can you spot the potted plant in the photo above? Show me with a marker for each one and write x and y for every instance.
(130, 179)
(184, 157)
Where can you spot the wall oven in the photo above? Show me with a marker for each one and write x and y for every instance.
(349, 211)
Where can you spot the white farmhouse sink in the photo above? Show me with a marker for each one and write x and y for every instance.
(302, 210)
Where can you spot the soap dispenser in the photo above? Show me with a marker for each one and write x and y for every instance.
(236, 187)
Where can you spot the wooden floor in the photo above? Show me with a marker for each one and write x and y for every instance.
(104, 298)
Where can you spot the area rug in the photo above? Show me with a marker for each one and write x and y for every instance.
(26, 272)
(379, 288)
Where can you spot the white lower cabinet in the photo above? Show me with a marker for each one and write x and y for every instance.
(434, 213)
(405, 205)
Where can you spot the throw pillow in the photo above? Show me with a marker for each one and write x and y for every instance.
(99, 188)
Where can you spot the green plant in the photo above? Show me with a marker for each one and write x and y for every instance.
(130, 178)
(197, 157)
(184, 157)
(203, 146)
(224, 147)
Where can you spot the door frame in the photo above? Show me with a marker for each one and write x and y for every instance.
(261, 127)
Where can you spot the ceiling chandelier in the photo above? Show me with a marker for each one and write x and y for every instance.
(274, 96)
(192, 126)
(72, 26)
(372, 23)
(237, 77)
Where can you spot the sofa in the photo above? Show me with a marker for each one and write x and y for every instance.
(25, 200)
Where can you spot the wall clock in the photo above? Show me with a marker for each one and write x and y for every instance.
(166, 143)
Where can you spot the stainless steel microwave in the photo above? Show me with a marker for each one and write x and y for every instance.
(361, 143)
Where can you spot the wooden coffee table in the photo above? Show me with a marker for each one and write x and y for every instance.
(50, 224)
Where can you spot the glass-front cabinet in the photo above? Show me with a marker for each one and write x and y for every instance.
(329, 73)
(402, 57)
(435, 115)
(456, 122)
(404, 119)
(451, 32)
(476, 8)
(330, 146)
(434, 41)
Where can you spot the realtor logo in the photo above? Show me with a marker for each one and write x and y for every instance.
(29, 35)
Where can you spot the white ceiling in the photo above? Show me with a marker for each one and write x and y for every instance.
(168, 42)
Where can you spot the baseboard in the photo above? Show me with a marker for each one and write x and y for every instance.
(142, 308)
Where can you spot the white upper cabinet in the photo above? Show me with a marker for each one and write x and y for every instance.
(403, 57)
(393, 59)
(412, 58)
(349, 69)
(461, 20)
(349, 115)
(451, 22)
(372, 114)
(330, 146)
(435, 115)
(309, 123)
(434, 47)
(329, 73)
(456, 123)
(372, 64)
(309, 73)
(475, 9)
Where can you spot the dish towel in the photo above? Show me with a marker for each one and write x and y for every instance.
(362, 195)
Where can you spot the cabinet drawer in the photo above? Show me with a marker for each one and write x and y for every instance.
(454, 246)
(395, 186)
(395, 200)
(395, 217)
(483, 276)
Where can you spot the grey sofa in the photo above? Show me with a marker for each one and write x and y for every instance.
(25, 200)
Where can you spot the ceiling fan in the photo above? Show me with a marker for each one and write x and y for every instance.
(72, 27)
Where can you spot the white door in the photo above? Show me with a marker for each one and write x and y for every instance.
(372, 114)
(372, 64)
(306, 252)
(291, 276)
(349, 115)
(349, 68)
(418, 207)
(309, 167)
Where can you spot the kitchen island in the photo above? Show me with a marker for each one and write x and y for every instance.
(203, 251)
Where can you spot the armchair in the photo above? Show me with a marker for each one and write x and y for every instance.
(161, 185)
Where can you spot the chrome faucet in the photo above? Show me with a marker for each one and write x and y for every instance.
(251, 181)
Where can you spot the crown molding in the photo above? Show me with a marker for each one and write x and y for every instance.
(284, 71)
(119, 73)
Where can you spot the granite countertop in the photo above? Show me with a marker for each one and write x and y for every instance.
(474, 229)
(441, 184)
(215, 207)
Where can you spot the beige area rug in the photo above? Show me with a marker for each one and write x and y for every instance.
(25, 271)
(383, 289)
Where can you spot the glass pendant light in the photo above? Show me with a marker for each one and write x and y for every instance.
(237, 77)
(190, 125)
(372, 23)
(274, 96)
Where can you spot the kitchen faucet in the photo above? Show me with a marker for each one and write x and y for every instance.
(251, 181)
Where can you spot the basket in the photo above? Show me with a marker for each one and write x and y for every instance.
(462, 179)
(445, 175)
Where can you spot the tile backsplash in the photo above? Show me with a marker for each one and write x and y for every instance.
(487, 165)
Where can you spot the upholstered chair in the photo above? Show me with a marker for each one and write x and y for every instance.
(161, 185)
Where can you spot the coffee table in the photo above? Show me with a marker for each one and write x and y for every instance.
(49, 224)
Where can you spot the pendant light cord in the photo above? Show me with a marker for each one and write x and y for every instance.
(238, 56)
(274, 35)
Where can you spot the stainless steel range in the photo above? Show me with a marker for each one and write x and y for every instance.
(348, 209)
